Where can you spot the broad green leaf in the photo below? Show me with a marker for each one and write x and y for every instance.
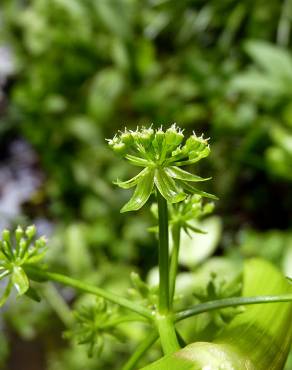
(141, 194)
(20, 280)
(133, 181)
(257, 339)
(264, 332)
(167, 187)
(180, 174)
(202, 356)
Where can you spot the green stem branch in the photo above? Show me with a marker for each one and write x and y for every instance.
(88, 288)
(174, 261)
(230, 302)
(167, 334)
(164, 319)
(140, 351)
(163, 254)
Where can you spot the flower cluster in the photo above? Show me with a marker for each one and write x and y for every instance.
(184, 214)
(216, 289)
(16, 252)
(161, 153)
(192, 208)
(92, 324)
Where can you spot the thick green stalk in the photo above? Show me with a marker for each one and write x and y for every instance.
(88, 288)
(230, 302)
(174, 261)
(167, 334)
(164, 318)
(141, 349)
(163, 254)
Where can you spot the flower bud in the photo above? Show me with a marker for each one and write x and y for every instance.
(173, 136)
(30, 231)
(119, 148)
(146, 137)
(159, 140)
(41, 242)
(127, 138)
(23, 244)
(18, 234)
(6, 248)
(6, 236)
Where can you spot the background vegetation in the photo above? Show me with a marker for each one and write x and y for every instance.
(73, 72)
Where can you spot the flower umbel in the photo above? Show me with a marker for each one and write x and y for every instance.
(92, 324)
(15, 253)
(184, 214)
(161, 153)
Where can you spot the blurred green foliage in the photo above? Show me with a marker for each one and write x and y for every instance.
(85, 68)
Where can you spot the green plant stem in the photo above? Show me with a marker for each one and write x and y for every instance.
(164, 318)
(140, 351)
(88, 288)
(167, 334)
(174, 261)
(163, 254)
(230, 302)
(122, 320)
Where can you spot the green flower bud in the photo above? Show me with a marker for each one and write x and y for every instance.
(113, 142)
(30, 231)
(119, 148)
(6, 236)
(127, 138)
(209, 208)
(196, 144)
(200, 153)
(41, 242)
(6, 248)
(158, 141)
(18, 234)
(173, 137)
(146, 136)
(23, 246)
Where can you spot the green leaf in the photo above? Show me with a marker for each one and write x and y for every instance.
(32, 294)
(257, 339)
(141, 194)
(274, 60)
(167, 187)
(263, 333)
(136, 161)
(20, 280)
(180, 174)
(192, 190)
(133, 181)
